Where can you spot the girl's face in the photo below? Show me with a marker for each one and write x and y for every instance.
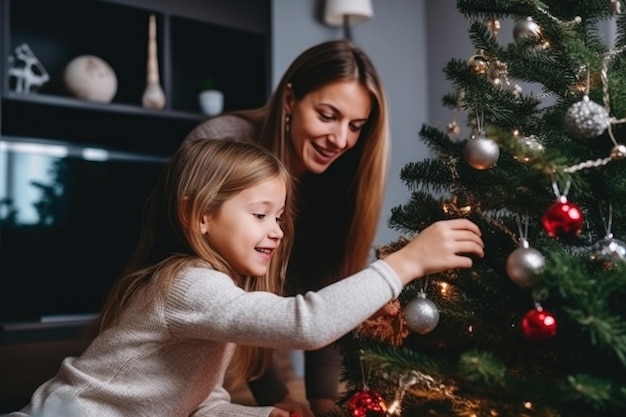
(246, 229)
(325, 124)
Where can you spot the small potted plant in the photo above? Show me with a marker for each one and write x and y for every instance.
(211, 99)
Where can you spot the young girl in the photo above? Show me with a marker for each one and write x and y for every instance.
(199, 301)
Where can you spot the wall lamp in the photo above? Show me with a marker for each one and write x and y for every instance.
(347, 13)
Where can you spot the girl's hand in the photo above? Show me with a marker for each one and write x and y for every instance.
(443, 245)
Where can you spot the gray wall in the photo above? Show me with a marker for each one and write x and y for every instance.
(395, 40)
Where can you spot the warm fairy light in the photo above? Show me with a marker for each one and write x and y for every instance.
(470, 328)
(528, 405)
(444, 287)
(493, 412)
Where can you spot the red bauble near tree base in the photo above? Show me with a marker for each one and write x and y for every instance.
(539, 325)
(563, 219)
(367, 403)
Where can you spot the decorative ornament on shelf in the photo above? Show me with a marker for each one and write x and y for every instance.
(153, 96)
(525, 263)
(539, 325)
(90, 78)
(481, 152)
(210, 98)
(562, 219)
(421, 314)
(27, 71)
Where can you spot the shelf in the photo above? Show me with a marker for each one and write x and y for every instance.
(74, 103)
(195, 41)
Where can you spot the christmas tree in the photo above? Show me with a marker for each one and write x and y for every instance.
(538, 326)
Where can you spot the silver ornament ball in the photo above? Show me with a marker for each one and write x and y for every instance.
(522, 265)
(587, 119)
(421, 315)
(481, 152)
(526, 28)
(608, 251)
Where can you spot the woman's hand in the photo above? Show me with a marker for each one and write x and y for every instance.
(444, 245)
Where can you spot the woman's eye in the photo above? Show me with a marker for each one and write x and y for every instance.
(356, 128)
(326, 117)
(259, 216)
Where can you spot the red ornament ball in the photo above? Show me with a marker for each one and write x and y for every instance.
(563, 219)
(539, 325)
(367, 403)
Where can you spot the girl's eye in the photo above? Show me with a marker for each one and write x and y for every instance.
(259, 216)
(326, 117)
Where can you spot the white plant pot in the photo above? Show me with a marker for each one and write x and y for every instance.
(211, 102)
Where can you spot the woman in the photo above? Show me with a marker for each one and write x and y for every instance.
(327, 122)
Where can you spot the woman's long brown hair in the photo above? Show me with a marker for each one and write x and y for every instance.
(345, 202)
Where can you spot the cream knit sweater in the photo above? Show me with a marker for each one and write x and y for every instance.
(167, 357)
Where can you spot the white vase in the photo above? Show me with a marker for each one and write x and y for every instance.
(211, 102)
(153, 96)
(90, 78)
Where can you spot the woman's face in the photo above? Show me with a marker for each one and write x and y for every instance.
(325, 124)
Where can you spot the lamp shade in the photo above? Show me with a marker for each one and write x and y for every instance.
(357, 11)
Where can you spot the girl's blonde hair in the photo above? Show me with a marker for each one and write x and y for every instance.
(199, 178)
(347, 199)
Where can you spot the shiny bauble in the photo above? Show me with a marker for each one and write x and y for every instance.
(608, 251)
(367, 403)
(481, 152)
(531, 148)
(586, 119)
(89, 77)
(539, 325)
(478, 64)
(523, 265)
(421, 314)
(563, 219)
(527, 29)
(493, 25)
(618, 152)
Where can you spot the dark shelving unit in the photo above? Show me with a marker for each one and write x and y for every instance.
(225, 40)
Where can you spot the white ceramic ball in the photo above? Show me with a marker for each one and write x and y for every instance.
(90, 78)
